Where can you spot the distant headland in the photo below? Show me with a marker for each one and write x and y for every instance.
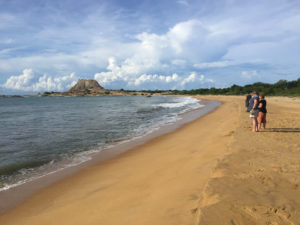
(91, 87)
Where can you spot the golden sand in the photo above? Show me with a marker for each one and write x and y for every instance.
(211, 171)
(259, 182)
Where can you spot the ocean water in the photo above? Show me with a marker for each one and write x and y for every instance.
(42, 135)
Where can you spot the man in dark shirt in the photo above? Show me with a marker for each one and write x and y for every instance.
(253, 109)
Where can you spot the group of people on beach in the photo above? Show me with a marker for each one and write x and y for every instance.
(257, 106)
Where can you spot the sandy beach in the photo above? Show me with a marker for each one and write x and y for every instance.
(213, 171)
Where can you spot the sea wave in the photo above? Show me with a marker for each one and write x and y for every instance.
(186, 102)
(149, 109)
(180, 102)
(25, 175)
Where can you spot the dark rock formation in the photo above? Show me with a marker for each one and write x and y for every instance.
(92, 88)
(86, 87)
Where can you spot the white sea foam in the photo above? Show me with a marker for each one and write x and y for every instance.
(180, 102)
(187, 103)
(52, 167)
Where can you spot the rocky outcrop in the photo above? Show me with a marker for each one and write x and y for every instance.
(2, 96)
(86, 87)
(92, 88)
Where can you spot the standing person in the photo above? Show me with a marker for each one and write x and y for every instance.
(262, 111)
(253, 109)
(248, 97)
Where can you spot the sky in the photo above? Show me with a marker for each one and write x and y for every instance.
(147, 44)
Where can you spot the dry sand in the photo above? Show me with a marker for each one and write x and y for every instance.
(211, 171)
(259, 182)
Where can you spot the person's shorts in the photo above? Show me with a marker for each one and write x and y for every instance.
(254, 113)
(261, 117)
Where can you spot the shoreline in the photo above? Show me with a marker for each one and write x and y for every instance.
(14, 196)
(213, 170)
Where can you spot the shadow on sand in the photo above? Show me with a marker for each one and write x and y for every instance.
(283, 130)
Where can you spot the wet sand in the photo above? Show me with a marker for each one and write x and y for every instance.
(211, 171)
(16, 195)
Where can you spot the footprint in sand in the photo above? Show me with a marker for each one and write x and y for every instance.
(275, 215)
(208, 200)
(230, 133)
(193, 197)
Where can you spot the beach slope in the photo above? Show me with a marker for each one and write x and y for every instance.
(259, 182)
(209, 171)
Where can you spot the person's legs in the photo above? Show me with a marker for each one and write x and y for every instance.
(254, 124)
(259, 119)
(264, 121)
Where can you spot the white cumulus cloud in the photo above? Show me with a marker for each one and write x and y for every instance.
(153, 55)
(28, 81)
(119, 77)
(18, 82)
